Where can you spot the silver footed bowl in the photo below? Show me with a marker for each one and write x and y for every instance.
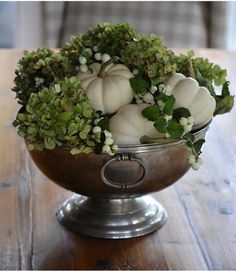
(111, 192)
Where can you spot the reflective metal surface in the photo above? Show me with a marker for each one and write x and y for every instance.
(135, 171)
(120, 184)
(112, 218)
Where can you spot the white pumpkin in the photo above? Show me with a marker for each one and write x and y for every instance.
(190, 95)
(128, 125)
(107, 87)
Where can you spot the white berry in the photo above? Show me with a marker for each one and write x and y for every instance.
(191, 159)
(107, 134)
(97, 129)
(95, 48)
(168, 91)
(98, 56)
(114, 147)
(190, 120)
(187, 128)
(111, 153)
(183, 121)
(199, 160)
(161, 87)
(168, 117)
(108, 141)
(167, 135)
(153, 89)
(106, 149)
(82, 60)
(105, 58)
(135, 72)
(83, 68)
(195, 166)
(148, 98)
(97, 120)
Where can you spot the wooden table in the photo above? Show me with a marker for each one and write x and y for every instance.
(200, 232)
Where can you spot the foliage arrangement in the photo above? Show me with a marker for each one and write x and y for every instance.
(39, 69)
(150, 57)
(61, 115)
(208, 75)
(57, 112)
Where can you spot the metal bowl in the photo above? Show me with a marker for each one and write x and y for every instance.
(111, 198)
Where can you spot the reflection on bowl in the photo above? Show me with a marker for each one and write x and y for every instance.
(109, 182)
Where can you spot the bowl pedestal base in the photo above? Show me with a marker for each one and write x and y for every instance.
(112, 218)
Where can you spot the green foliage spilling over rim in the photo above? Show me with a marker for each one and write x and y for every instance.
(60, 115)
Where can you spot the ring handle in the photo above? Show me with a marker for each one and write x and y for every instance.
(122, 157)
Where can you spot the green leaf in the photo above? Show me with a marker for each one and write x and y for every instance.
(139, 85)
(151, 112)
(29, 109)
(225, 89)
(198, 145)
(49, 143)
(104, 123)
(161, 125)
(181, 112)
(175, 129)
(189, 137)
(74, 151)
(169, 105)
(189, 144)
(223, 104)
(87, 150)
(65, 116)
(155, 80)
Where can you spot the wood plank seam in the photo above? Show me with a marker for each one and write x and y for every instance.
(201, 247)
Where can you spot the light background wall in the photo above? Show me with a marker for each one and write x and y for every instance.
(30, 24)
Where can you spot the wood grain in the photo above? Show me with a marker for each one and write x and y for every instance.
(200, 232)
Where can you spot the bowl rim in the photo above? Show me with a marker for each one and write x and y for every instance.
(139, 148)
(159, 146)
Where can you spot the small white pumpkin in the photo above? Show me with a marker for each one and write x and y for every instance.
(107, 87)
(190, 95)
(128, 125)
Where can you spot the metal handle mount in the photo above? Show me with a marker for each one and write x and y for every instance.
(122, 157)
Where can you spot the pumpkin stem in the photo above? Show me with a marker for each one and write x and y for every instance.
(102, 72)
(191, 69)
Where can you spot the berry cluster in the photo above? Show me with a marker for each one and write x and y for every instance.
(104, 137)
(187, 123)
(195, 162)
(85, 58)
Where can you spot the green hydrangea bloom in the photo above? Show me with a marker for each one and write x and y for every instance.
(108, 38)
(38, 69)
(60, 115)
(149, 55)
